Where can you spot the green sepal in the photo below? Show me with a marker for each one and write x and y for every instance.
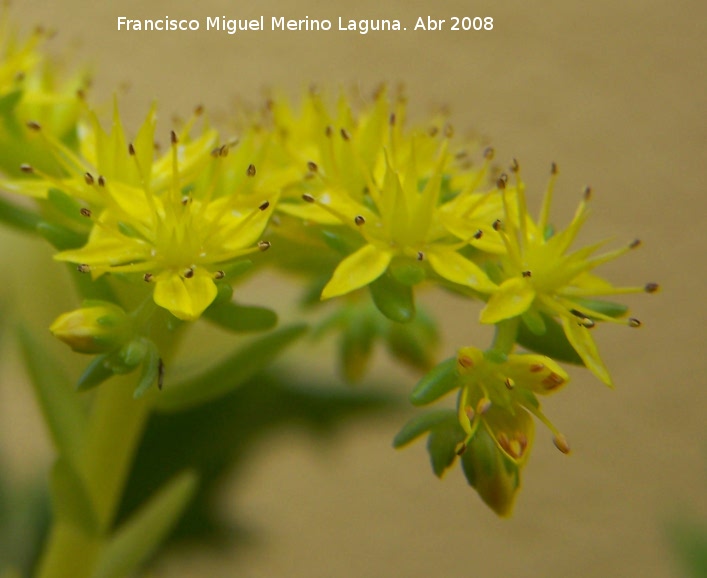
(61, 238)
(421, 424)
(437, 383)
(151, 369)
(18, 217)
(63, 412)
(71, 502)
(414, 343)
(552, 343)
(230, 373)
(495, 477)
(609, 308)
(96, 372)
(393, 299)
(442, 444)
(240, 318)
(534, 321)
(136, 540)
(407, 272)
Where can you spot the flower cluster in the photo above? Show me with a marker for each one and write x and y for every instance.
(357, 200)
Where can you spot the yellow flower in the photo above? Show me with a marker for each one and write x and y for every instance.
(97, 327)
(539, 275)
(167, 219)
(500, 395)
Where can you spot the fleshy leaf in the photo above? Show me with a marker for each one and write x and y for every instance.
(239, 318)
(552, 343)
(437, 383)
(422, 423)
(442, 445)
(393, 299)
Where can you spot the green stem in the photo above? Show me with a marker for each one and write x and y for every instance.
(505, 338)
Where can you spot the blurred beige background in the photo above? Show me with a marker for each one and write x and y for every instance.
(614, 92)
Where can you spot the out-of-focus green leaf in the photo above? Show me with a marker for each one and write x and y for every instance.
(689, 540)
(438, 382)
(59, 237)
(552, 343)
(71, 502)
(357, 340)
(232, 372)
(240, 318)
(393, 299)
(137, 539)
(62, 410)
(96, 372)
(151, 369)
(442, 445)
(9, 101)
(421, 424)
(18, 217)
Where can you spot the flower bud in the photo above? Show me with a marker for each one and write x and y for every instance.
(99, 327)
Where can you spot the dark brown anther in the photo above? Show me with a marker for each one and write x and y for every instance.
(587, 193)
(251, 170)
(633, 322)
(561, 443)
(223, 151)
(199, 110)
(81, 94)
(434, 131)
(219, 275)
(553, 381)
(216, 152)
(526, 274)
(553, 169)
(360, 220)
(101, 181)
(19, 77)
(264, 205)
(497, 225)
(264, 245)
(147, 277)
(25, 168)
(160, 374)
(346, 135)
(88, 177)
(391, 119)
(461, 155)
(465, 362)
(448, 131)
(131, 150)
(34, 125)
(634, 244)
(420, 256)
(510, 384)
(312, 166)
(85, 212)
(651, 287)
(173, 137)
(489, 153)
(478, 234)
(189, 273)
(501, 181)
(83, 268)
(328, 131)
(535, 368)
(515, 167)
(186, 200)
(307, 198)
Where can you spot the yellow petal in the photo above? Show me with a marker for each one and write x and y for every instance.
(583, 343)
(512, 432)
(186, 299)
(453, 267)
(538, 373)
(513, 298)
(357, 270)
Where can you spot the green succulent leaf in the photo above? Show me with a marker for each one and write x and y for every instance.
(19, 218)
(442, 445)
(421, 424)
(393, 299)
(552, 343)
(437, 383)
(240, 318)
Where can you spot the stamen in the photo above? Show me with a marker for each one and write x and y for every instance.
(131, 150)
(88, 177)
(199, 110)
(470, 413)
(101, 181)
(391, 119)
(537, 367)
(553, 381)
(652, 287)
(85, 212)
(25, 168)
(489, 153)
(264, 205)
(420, 256)
(448, 131)
(515, 167)
(328, 131)
(561, 444)
(465, 362)
(173, 137)
(634, 244)
(584, 320)
(251, 170)
(223, 151)
(510, 384)
(307, 198)
(433, 131)
(553, 169)
(526, 274)
(633, 322)
(346, 135)
(483, 406)
(478, 234)
(587, 193)
(189, 273)
(312, 166)
(497, 225)
(360, 220)
(33, 125)
(83, 268)
(264, 245)
(186, 200)
(460, 449)
(219, 275)
(501, 181)
(147, 277)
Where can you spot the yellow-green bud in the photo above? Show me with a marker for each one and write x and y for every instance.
(99, 327)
